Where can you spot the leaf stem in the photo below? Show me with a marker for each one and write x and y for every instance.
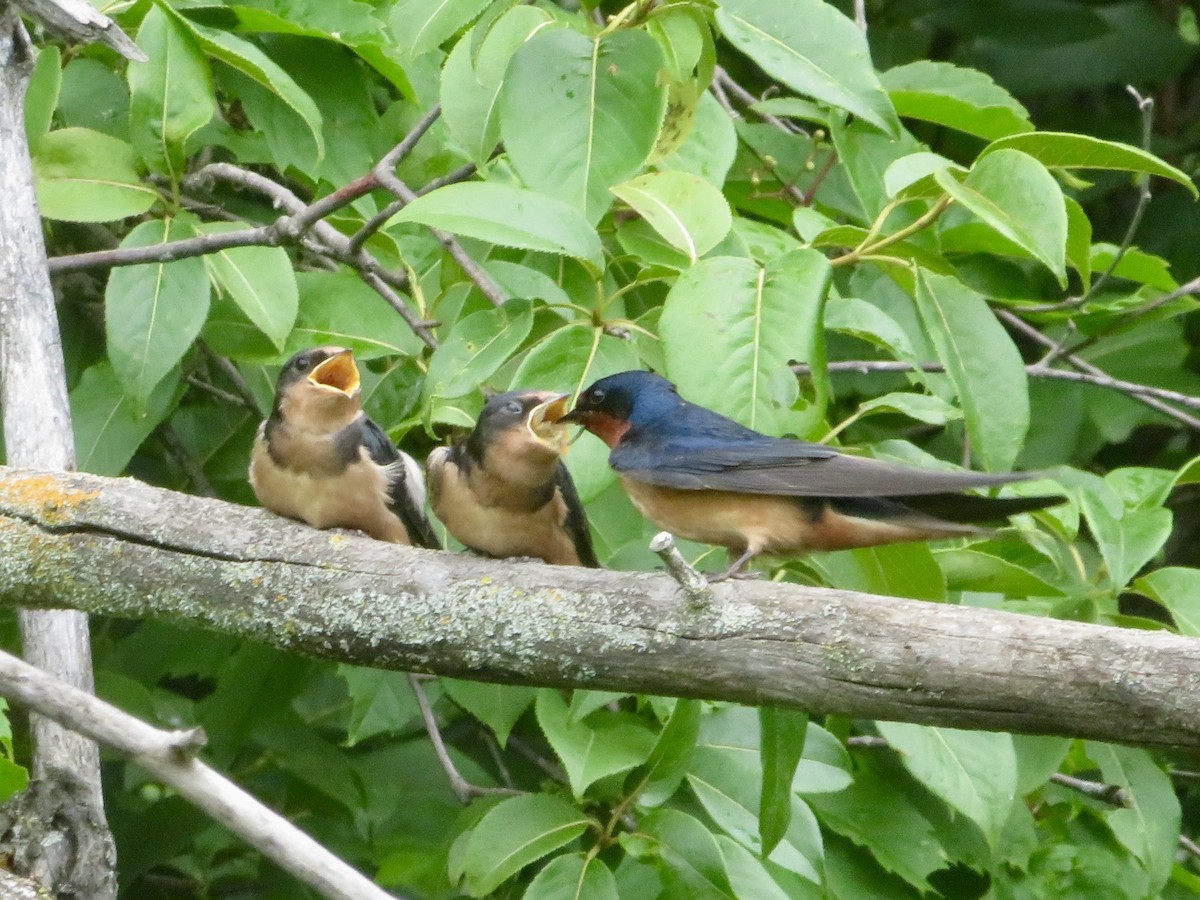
(865, 248)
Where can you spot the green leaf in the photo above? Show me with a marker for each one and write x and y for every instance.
(710, 149)
(1150, 828)
(573, 876)
(972, 570)
(781, 738)
(693, 862)
(1127, 538)
(604, 745)
(1177, 589)
(421, 25)
(686, 210)
(748, 877)
(260, 280)
(975, 772)
(153, 312)
(337, 308)
(41, 93)
(825, 766)
(963, 99)
(382, 702)
(668, 760)
(982, 362)
(476, 348)
(85, 176)
(108, 425)
(514, 833)
(13, 778)
(752, 322)
(1014, 194)
(813, 48)
(579, 116)
(498, 706)
(508, 216)
(171, 95)
(246, 58)
(471, 82)
(928, 408)
(866, 154)
(1080, 151)
(891, 570)
(913, 168)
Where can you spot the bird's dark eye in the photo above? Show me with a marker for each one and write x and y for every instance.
(514, 407)
(303, 364)
(596, 396)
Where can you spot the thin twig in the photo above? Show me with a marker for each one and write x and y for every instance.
(1082, 365)
(860, 15)
(230, 371)
(377, 221)
(183, 457)
(463, 789)
(1035, 370)
(695, 585)
(1112, 794)
(1189, 845)
(867, 742)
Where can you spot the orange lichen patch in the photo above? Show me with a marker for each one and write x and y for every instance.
(41, 495)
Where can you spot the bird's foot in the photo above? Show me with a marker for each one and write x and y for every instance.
(733, 576)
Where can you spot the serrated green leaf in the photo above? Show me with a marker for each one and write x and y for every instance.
(982, 362)
(1127, 538)
(41, 92)
(153, 312)
(476, 348)
(508, 216)
(514, 833)
(813, 48)
(665, 766)
(602, 746)
(337, 308)
(781, 739)
(1058, 150)
(686, 210)
(171, 95)
(1177, 589)
(260, 280)
(246, 58)
(752, 321)
(1150, 828)
(975, 772)
(964, 99)
(580, 115)
(86, 176)
(498, 706)
(107, 424)
(421, 25)
(381, 702)
(694, 865)
(574, 876)
(1014, 194)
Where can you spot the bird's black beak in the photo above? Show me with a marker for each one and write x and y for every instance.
(544, 422)
(338, 373)
(576, 416)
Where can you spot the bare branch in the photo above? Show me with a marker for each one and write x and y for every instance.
(152, 553)
(695, 585)
(170, 757)
(1112, 794)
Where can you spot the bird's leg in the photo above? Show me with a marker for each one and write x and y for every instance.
(735, 568)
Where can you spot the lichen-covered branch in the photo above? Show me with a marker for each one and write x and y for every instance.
(123, 548)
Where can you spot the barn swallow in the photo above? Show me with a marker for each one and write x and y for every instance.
(704, 477)
(504, 491)
(320, 459)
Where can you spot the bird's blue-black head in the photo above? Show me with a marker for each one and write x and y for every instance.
(613, 405)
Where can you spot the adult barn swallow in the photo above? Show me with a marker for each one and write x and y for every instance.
(320, 459)
(504, 491)
(704, 477)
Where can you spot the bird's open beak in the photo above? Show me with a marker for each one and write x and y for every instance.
(338, 372)
(545, 420)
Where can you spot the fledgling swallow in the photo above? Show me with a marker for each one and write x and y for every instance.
(704, 477)
(504, 491)
(320, 459)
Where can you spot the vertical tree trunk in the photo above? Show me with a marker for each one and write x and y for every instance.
(37, 432)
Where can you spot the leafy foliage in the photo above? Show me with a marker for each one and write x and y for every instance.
(921, 202)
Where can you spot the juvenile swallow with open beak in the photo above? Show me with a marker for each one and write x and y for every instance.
(320, 459)
(504, 491)
(704, 477)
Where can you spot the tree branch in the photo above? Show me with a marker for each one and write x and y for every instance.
(170, 757)
(83, 23)
(123, 548)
